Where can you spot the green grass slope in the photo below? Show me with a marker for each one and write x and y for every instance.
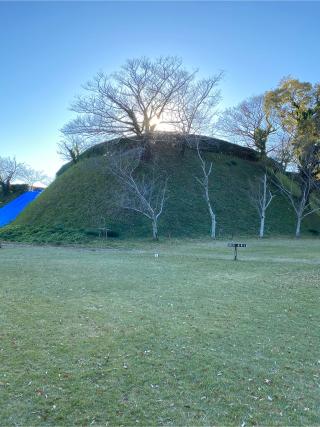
(84, 196)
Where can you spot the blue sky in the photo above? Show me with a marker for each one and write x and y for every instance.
(49, 49)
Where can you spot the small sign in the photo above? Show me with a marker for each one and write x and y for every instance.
(236, 246)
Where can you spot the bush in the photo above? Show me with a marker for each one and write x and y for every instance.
(112, 233)
(314, 232)
(56, 234)
(97, 232)
(232, 163)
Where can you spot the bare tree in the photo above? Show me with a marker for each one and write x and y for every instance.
(31, 176)
(248, 124)
(10, 170)
(206, 169)
(131, 101)
(71, 146)
(260, 196)
(298, 189)
(196, 107)
(143, 97)
(143, 192)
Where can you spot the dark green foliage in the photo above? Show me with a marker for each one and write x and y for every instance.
(231, 163)
(261, 138)
(53, 234)
(42, 234)
(100, 232)
(314, 232)
(15, 191)
(112, 233)
(93, 232)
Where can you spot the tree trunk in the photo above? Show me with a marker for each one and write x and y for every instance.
(212, 214)
(73, 155)
(183, 145)
(261, 232)
(147, 143)
(155, 230)
(298, 227)
(213, 225)
(264, 207)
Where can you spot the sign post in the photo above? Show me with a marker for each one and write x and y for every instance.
(236, 246)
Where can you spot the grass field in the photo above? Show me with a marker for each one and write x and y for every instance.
(119, 337)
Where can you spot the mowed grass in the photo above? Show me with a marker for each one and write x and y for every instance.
(120, 337)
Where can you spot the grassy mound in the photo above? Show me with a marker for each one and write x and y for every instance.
(84, 198)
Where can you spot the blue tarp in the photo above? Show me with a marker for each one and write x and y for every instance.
(10, 211)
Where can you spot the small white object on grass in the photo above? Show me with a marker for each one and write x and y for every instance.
(156, 255)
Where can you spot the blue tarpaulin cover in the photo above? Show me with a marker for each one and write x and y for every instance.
(10, 211)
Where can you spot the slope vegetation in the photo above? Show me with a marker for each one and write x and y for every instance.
(84, 197)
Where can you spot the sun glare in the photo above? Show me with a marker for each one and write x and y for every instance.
(161, 124)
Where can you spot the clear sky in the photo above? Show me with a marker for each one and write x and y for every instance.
(49, 49)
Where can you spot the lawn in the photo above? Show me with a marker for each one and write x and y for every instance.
(120, 337)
